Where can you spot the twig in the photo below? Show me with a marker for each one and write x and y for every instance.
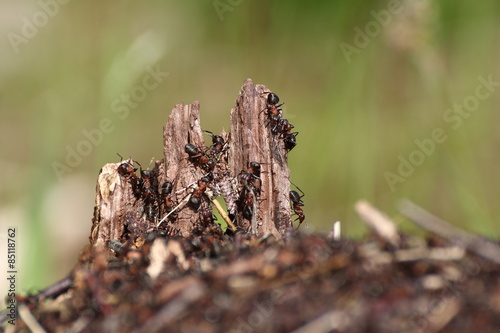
(336, 231)
(378, 221)
(183, 201)
(51, 291)
(445, 254)
(28, 318)
(332, 320)
(223, 214)
(434, 224)
(56, 289)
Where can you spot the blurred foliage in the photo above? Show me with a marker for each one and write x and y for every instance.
(355, 116)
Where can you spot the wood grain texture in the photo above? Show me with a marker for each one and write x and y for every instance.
(119, 213)
(252, 141)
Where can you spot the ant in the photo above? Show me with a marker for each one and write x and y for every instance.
(207, 216)
(169, 231)
(147, 186)
(279, 125)
(290, 140)
(282, 127)
(146, 178)
(127, 170)
(195, 200)
(254, 167)
(272, 104)
(150, 211)
(166, 189)
(217, 143)
(142, 187)
(251, 178)
(272, 107)
(297, 204)
(251, 188)
(253, 172)
(248, 204)
(199, 157)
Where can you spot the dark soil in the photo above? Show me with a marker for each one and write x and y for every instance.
(213, 282)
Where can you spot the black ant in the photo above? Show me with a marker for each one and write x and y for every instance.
(297, 204)
(195, 200)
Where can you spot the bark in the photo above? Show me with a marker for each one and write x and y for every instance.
(252, 141)
(183, 127)
(115, 207)
(120, 212)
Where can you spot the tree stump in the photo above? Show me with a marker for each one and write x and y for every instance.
(252, 141)
(123, 209)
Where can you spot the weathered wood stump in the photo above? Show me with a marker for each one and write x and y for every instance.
(257, 203)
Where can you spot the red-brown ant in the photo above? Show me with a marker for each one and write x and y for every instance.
(207, 216)
(146, 178)
(142, 187)
(272, 107)
(198, 157)
(195, 154)
(251, 178)
(166, 189)
(127, 170)
(279, 125)
(150, 210)
(290, 140)
(251, 182)
(253, 172)
(217, 144)
(147, 186)
(297, 204)
(254, 167)
(282, 127)
(248, 204)
(196, 196)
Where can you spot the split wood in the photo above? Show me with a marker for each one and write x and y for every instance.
(118, 213)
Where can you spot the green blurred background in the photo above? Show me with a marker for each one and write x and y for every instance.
(357, 112)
